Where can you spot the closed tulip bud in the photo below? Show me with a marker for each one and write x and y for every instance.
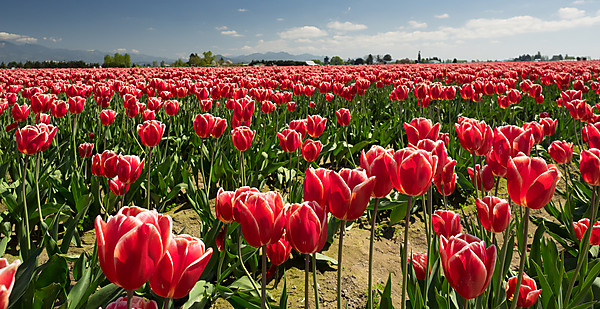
(33, 139)
(421, 128)
(219, 127)
(76, 104)
(59, 108)
(151, 132)
(485, 177)
(299, 126)
(20, 112)
(537, 131)
(329, 97)
(242, 137)
(445, 223)
(172, 107)
(41, 103)
(42, 118)
(148, 115)
(468, 265)
(445, 182)
(117, 187)
(85, 150)
(581, 227)
(349, 193)
(306, 226)
(183, 264)
(528, 292)
(128, 167)
(474, 136)
(289, 140)
(343, 117)
(315, 125)
(561, 151)
(224, 203)
(107, 117)
(411, 170)
(311, 150)
(419, 263)
(131, 244)
(261, 217)
(91, 136)
(203, 125)
(136, 303)
(279, 251)
(316, 185)
(7, 280)
(493, 213)
(549, 126)
(291, 106)
(531, 182)
(268, 107)
(109, 161)
(373, 163)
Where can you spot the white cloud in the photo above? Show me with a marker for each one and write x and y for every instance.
(578, 2)
(52, 39)
(221, 28)
(259, 35)
(345, 26)
(302, 32)
(416, 24)
(246, 47)
(17, 37)
(135, 51)
(150, 29)
(442, 16)
(242, 10)
(280, 19)
(231, 33)
(120, 50)
(570, 13)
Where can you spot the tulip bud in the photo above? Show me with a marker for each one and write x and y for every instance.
(315, 125)
(242, 137)
(306, 226)
(151, 132)
(445, 223)
(531, 182)
(493, 213)
(528, 292)
(85, 150)
(128, 167)
(343, 117)
(311, 150)
(107, 117)
(419, 263)
(561, 151)
(289, 140)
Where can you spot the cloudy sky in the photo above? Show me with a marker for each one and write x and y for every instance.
(471, 29)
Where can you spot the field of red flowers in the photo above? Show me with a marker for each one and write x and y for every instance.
(273, 168)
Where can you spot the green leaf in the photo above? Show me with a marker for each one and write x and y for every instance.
(46, 296)
(55, 270)
(78, 292)
(584, 289)
(3, 244)
(323, 257)
(386, 296)
(283, 300)
(24, 276)
(199, 296)
(104, 296)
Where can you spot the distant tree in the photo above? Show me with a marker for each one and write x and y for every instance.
(378, 59)
(178, 63)
(221, 61)
(317, 61)
(369, 59)
(2, 65)
(336, 60)
(208, 58)
(326, 60)
(538, 56)
(387, 58)
(154, 63)
(162, 63)
(454, 61)
(359, 61)
(419, 57)
(117, 60)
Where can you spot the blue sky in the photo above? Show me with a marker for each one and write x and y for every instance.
(446, 29)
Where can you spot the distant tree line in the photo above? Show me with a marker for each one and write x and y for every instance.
(277, 63)
(48, 65)
(117, 61)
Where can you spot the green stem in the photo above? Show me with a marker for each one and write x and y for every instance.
(428, 228)
(201, 160)
(148, 188)
(306, 271)
(37, 190)
(242, 181)
(523, 258)
(502, 261)
(348, 146)
(166, 303)
(129, 298)
(466, 306)
(371, 241)
(212, 160)
(26, 211)
(264, 277)
(339, 273)
(244, 266)
(583, 254)
(223, 253)
(405, 251)
(315, 285)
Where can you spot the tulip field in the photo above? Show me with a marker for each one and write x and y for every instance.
(483, 177)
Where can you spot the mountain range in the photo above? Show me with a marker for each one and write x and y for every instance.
(34, 52)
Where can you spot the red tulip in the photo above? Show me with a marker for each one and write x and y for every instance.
(136, 303)
(107, 117)
(509, 141)
(485, 178)
(85, 150)
(549, 126)
(3, 105)
(315, 125)
(329, 97)
(183, 264)
(97, 165)
(131, 244)
(225, 201)
(306, 226)
(7, 280)
(419, 263)
(268, 107)
(279, 251)
(243, 109)
(291, 106)
(41, 103)
(42, 118)
(349, 193)
(148, 115)
(155, 104)
(299, 126)
(117, 187)
(493, 213)
(76, 104)
(206, 104)
(537, 131)
(343, 117)
(109, 161)
(421, 128)
(316, 185)
(59, 108)
(33, 139)
(203, 125)
(435, 148)
(445, 223)
(590, 134)
(20, 112)
(373, 163)
(468, 265)
(242, 137)
(581, 227)
(219, 127)
(261, 217)
(172, 107)
(447, 178)
(311, 150)
(128, 168)
(531, 182)
(151, 132)
(289, 140)
(561, 151)
(528, 292)
(475, 136)
(411, 170)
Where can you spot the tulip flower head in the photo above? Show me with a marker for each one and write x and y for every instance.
(242, 137)
(343, 117)
(531, 182)
(561, 151)
(446, 223)
(349, 193)
(311, 150)
(33, 139)
(7, 280)
(411, 170)
(85, 150)
(289, 140)
(107, 117)
(528, 292)
(128, 168)
(493, 213)
(225, 201)
(474, 136)
(136, 302)
(280, 251)
(261, 217)
(581, 227)
(151, 132)
(315, 125)
(419, 263)
(20, 112)
(421, 128)
(373, 162)
(306, 226)
(117, 187)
